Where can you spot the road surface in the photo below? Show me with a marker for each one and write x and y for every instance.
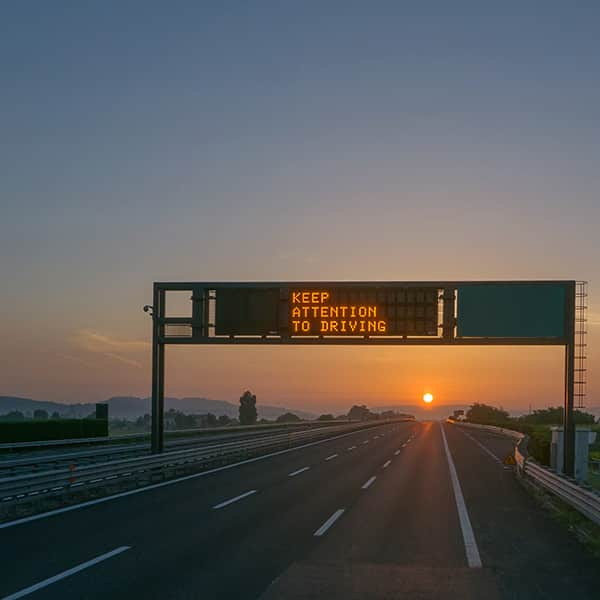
(410, 510)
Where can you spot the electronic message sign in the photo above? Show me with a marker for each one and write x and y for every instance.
(363, 311)
(357, 311)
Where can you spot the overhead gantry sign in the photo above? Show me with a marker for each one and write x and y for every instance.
(368, 313)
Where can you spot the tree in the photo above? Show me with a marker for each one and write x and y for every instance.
(360, 413)
(144, 422)
(210, 420)
(14, 415)
(248, 413)
(40, 413)
(288, 417)
(485, 414)
(327, 417)
(224, 420)
(554, 416)
(55, 415)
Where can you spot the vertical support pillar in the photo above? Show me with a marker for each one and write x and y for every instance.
(449, 323)
(199, 313)
(569, 401)
(158, 372)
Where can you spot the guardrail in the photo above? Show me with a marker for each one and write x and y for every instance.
(491, 428)
(200, 431)
(18, 466)
(584, 500)
(61, 480)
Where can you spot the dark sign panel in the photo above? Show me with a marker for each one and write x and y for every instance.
(511, 310)
(247, 311)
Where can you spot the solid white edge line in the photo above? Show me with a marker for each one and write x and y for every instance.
(471, 550)
(67, 573)
(331, 457)
(294, 473)
(154, 486)
(232, 500)
(368, 483)
(332, 519)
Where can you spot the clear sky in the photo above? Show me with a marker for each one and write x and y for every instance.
(289, 140)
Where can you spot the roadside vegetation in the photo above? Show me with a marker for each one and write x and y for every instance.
(537, 425)
(39, 425)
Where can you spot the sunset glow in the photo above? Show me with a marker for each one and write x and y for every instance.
(428, 398)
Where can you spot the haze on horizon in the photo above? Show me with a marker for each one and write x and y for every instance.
(289, 142)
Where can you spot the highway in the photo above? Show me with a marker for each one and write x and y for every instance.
(405, 510)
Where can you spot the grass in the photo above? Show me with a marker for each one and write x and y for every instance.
(586, 531)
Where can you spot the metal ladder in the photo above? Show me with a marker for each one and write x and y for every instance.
(580, 343)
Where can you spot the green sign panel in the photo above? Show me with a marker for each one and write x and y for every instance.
(515, 310)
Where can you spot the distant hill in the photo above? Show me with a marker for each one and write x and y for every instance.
(441, 411)
(422, 412)
(132, 407)
(27, 405)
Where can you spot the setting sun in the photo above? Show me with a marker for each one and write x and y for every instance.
(428, 398)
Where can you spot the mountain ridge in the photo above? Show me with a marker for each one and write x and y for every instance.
(131, 407)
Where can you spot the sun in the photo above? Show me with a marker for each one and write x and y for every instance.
(428, 398)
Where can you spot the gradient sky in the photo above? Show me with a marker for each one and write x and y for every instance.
(287, 141)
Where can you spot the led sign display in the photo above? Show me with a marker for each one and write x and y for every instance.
(363, 311)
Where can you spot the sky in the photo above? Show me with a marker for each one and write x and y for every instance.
(144, 141)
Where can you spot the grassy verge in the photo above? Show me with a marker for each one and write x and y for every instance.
(587, 532)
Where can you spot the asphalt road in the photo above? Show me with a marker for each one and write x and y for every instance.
(372, 514)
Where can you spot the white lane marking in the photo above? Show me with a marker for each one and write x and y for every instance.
(386, 464)
(331, 457)
(486, 450)
(67, 573)
(232, 500)
(471, 550)
(366, 442)
(294, 473)
(404, 445)
(397, 452)
(154, 486)
(332, 519)
(368, 483)
(351, 448)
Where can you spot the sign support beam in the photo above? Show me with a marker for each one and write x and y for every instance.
(568, 417)
(486, 313)
(158, 372)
